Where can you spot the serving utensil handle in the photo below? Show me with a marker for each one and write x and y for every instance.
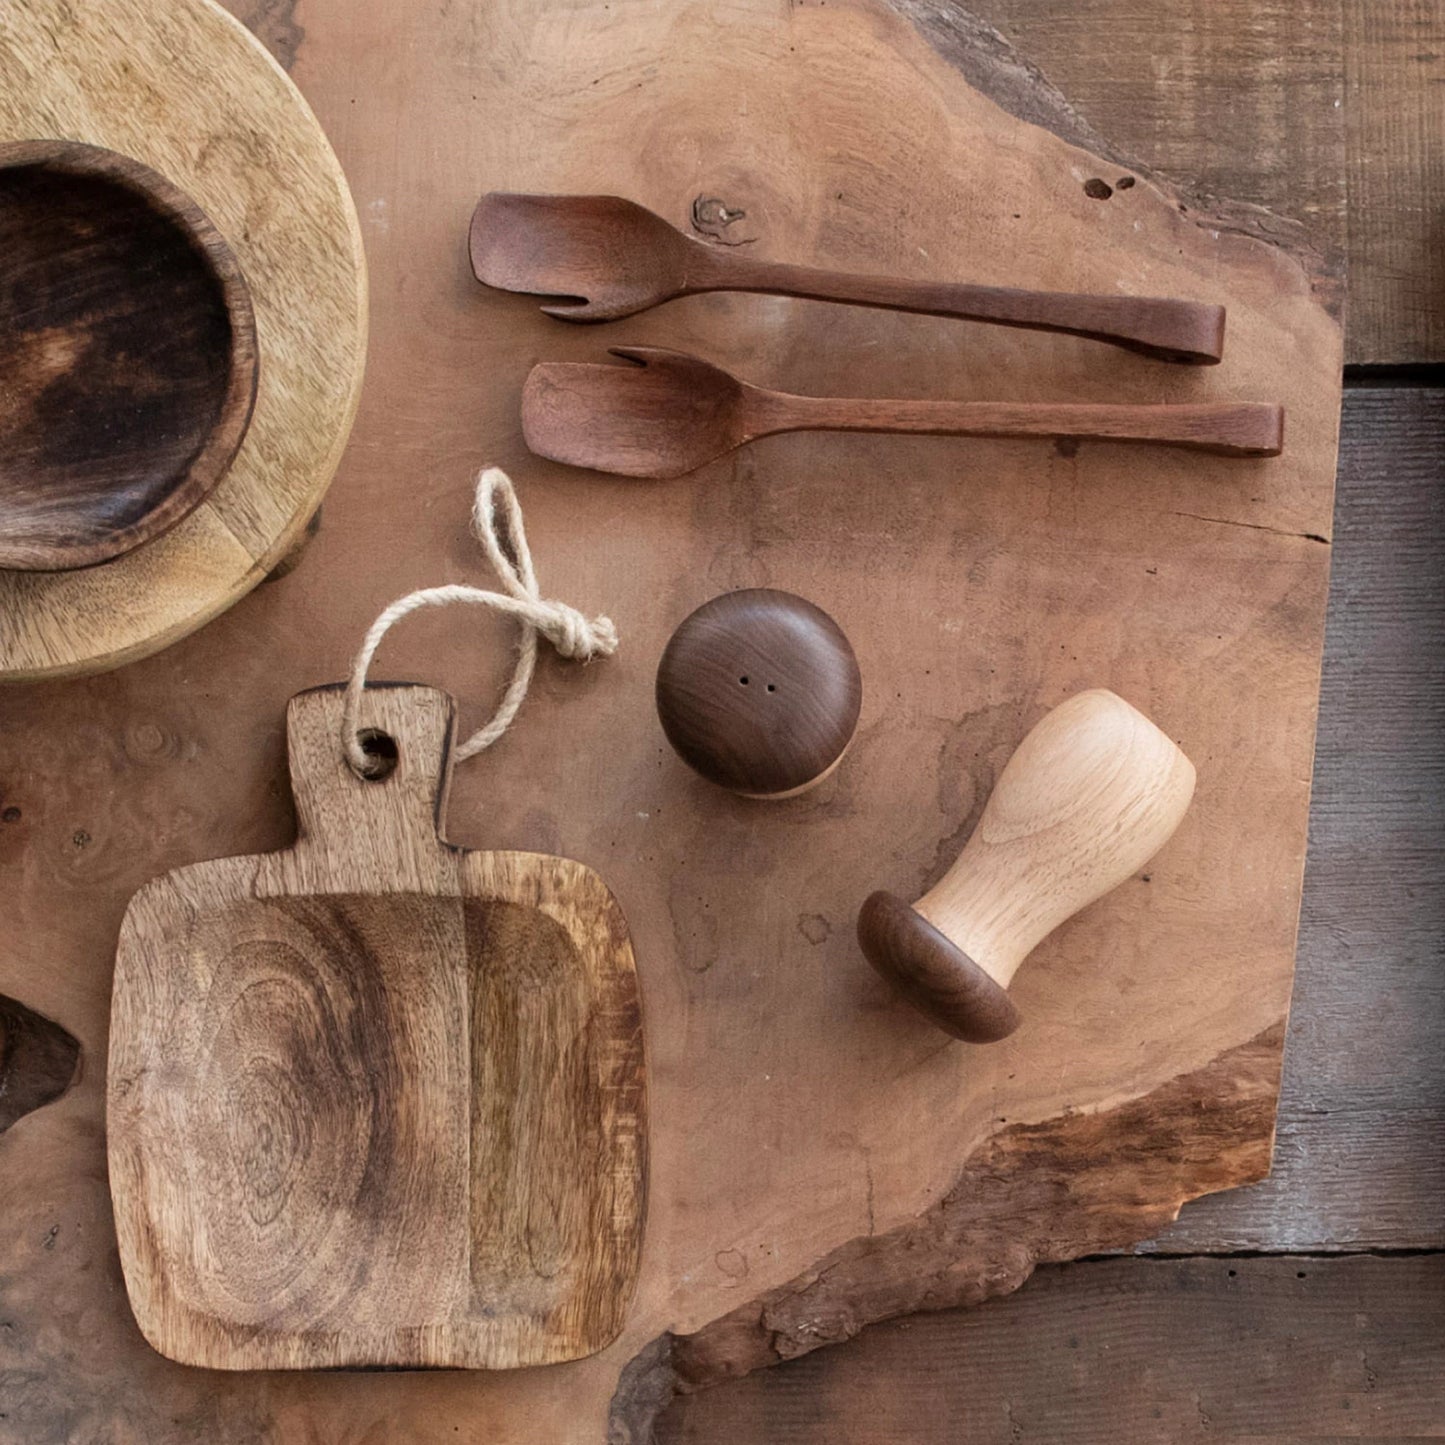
(1164, 328)
(1238, 429)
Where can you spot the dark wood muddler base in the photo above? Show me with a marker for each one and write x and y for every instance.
(935, 976)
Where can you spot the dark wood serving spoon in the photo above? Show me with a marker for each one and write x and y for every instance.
(665, 413)
(601, 257)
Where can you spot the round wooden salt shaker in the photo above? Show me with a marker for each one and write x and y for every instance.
(759, 691)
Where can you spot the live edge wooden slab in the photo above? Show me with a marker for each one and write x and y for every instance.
(821, 1155)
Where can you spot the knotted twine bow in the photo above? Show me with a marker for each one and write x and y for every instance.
(572, 634)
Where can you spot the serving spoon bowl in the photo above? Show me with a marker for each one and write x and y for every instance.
(128, 360)
(664, 413)
(601, 257)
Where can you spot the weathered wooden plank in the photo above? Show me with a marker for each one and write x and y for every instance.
(1395, 122)
(1240, 99)
(1329, 111)
(1176, 1351)
(1360, 1156)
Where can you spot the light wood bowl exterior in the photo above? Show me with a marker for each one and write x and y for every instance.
(188, 91)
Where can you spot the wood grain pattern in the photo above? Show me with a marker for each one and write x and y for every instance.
(759, 691)
(127, 355)
(1167, 1352)
(1394, 117)
(374, 1100)
(609, 258)
(187, 91)
(786, 1085)
(663, 414)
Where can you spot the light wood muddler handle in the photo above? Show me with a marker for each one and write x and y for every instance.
(1093, 792)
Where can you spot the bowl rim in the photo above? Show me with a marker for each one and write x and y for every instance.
(218, 451)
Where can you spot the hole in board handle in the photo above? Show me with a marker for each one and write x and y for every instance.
(382, 754)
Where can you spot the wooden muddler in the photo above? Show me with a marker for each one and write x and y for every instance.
(1093, 792)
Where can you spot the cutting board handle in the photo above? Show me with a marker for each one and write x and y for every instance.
(411, 729)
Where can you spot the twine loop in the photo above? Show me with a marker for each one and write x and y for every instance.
(570, 632)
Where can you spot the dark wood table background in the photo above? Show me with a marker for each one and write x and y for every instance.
(1311, 1307)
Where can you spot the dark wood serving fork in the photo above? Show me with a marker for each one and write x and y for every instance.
(601, 257)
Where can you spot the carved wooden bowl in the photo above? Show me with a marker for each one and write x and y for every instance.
(127, 355)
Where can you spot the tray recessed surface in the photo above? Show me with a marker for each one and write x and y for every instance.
(341, 1143)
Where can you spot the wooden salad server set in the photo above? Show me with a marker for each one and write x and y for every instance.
(664, 414)
(600, 258)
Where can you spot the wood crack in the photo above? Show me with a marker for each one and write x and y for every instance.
(1256, 527)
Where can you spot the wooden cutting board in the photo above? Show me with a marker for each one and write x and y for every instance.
(375, 1100)
(821, 1155)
